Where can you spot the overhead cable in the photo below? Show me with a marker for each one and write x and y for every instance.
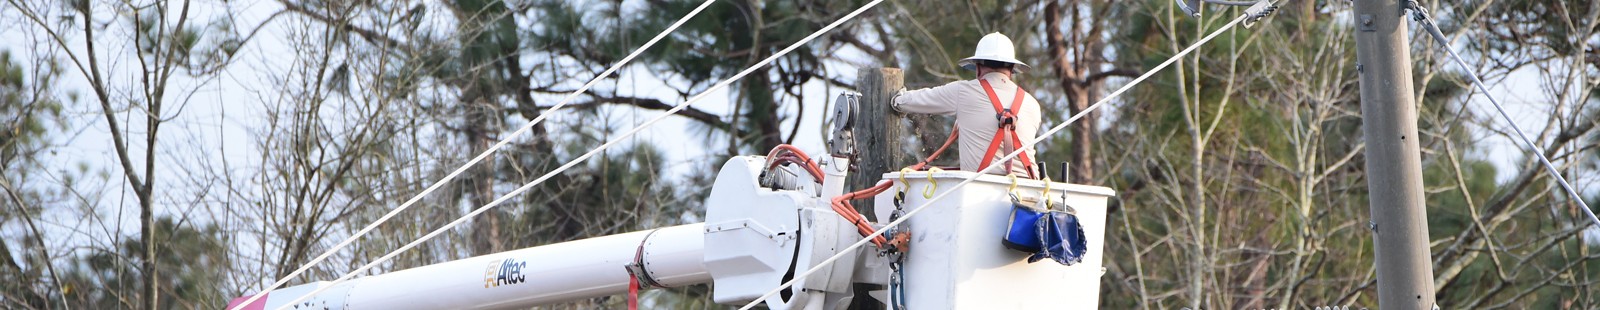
(485, 154)
(1421, 15)
(591, 153)
(1027, 145)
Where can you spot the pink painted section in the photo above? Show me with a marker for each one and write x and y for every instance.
(260, 304)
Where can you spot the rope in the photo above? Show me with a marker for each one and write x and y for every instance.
(1009, 156)
(591, 153)
(475, 160)
(1427, 22)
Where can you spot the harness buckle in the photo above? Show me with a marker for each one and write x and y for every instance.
(1008, 120)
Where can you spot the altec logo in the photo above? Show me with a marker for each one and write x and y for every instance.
(504, 272)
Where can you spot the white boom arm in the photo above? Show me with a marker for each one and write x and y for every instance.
(523, 278)
(753, 231)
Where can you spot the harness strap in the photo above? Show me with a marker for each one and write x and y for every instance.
(1008, 124)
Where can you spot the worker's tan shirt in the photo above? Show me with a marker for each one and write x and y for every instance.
(976, 117)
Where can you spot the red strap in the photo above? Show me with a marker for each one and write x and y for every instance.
(994, 146)
(636, 272)
(1016, 141)
(994, 143)
(633, 293)
(993, 98)
(1016, 103)
(1026, 163)
(1007, 118)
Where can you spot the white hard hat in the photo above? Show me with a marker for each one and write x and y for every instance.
(995, 47)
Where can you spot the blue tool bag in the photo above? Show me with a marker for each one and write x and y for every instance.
(1045, 233)
(1062, 238)
(1022, 234)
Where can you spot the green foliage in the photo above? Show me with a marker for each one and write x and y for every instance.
(28, 112)
(191, 263)
(31, 119)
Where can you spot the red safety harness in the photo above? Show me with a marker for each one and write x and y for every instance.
(1008, 124)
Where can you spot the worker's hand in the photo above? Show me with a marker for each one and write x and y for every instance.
(902, 91)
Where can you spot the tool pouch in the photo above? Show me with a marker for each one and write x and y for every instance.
(1061, 238)
(1022, 233)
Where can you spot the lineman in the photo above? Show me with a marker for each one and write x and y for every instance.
(994, 114)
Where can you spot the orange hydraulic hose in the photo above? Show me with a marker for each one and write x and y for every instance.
(841, 204)
(804, 161)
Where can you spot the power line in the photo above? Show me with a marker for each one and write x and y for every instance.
(1422, 17)
(1009, 156)
(480, 157)
(591, 153)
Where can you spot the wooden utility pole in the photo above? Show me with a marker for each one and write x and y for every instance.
(880, 132)
(1394, 158)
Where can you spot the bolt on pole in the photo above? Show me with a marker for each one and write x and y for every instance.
(1393, 156)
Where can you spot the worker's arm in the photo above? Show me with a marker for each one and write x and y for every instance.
(937, 100)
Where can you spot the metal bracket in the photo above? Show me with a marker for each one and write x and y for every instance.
(1192, 7)
(1256, 12)
(1420, 14)
(643, 276)
(1365, 23)
(636, 267)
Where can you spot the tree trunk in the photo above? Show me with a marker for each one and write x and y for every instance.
(1083, 137)
(1072, 78)
(481, 122)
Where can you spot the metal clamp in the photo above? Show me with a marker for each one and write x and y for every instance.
(1420, 14)
(1257, 12)
(636, 268)
(1192, 7)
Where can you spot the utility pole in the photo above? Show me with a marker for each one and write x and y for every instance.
(1394, 158)
(879, 132)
